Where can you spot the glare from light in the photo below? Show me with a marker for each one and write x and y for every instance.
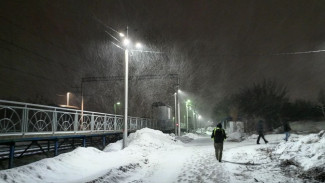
(126, 42)
(118, 103)
(138, 45)
(199, 116)
(121, 34)
(179, 91)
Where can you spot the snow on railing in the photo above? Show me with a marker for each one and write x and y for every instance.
(17, 118)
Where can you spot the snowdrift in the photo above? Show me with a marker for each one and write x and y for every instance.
(145, 140)
(307, 151)
(86, 164)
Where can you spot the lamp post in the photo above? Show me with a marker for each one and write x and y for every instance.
(188, 104)
(126, 47)
(68, 95)
(126, 43)
(115, 105)
(175, 121)
(126, 80)
(194, 119)
(179, 119)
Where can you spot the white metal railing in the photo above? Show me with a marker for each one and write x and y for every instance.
(17, 118)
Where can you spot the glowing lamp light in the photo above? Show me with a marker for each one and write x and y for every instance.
(138, 45)
(126, 42)
(121, 34)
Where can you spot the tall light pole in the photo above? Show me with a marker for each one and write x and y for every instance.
(126, 47)
(188, 104)
(68, 95)
(175, 118)
(126, 43)
(179, 118)
(115, 106)
(194, 119)
(126, 80)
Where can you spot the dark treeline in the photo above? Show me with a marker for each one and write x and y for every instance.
(268, 100)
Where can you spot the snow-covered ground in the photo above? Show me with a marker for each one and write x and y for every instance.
(152, 156)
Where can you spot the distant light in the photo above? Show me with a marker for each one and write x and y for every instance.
(175, 93)
(179, 91)
(126, 42)
(121, 34)
(138, 45)
(118, 103)
(199, 116)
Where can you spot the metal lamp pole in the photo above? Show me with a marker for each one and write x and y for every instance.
(175, 118)
(126, 80)
(115, 106)
(179, 119)
(68, 95)
(186, 118)
(187, 105)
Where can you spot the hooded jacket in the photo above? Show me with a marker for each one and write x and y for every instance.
(219, 135)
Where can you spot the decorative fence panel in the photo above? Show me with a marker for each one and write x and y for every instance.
(17, 118)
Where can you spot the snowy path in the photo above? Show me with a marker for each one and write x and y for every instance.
(202, 165)
(194, 162)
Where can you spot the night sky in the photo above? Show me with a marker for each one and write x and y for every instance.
(217, 48)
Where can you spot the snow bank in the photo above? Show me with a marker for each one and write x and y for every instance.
(192, 136)
(308, 151)
(145, 139)
(235, 137)
(86, 164)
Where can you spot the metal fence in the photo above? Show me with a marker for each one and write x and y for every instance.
(17, 118)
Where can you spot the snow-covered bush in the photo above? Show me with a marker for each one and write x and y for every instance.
(235, 137)
(307, 152)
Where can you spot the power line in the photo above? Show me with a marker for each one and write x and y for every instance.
(51, 61)
(42, 38)
(300, 52)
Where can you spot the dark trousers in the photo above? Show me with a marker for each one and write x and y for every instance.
(259, 136)
(218, 147)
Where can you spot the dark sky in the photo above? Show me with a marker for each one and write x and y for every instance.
(217, 47)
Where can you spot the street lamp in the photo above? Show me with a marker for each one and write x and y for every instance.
(178, 112)
(175, 121)
(118, 103)
(188, 104)
(68, 95)
(126, 43)
(127, 46)
(194, 120)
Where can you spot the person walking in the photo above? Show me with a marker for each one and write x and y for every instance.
(260, 131)
(218, 135)
(286, 129)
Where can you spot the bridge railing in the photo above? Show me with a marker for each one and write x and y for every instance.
(17, 118)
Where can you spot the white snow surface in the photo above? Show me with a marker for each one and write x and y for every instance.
(154, 157)
(193, 136)
(308, 151)
(235, 137)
